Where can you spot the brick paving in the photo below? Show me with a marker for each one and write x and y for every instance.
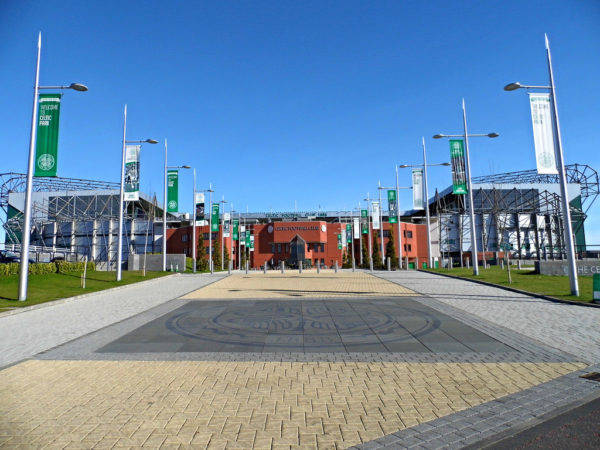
(292, 284)
(73, 396)
(243, 404)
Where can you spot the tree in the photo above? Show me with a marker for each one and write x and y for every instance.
(390, 250)
(243, 260)
(377, 262)
(216, 255)
(201, 258)
(365, 254)
(347, 260)
(226, 256)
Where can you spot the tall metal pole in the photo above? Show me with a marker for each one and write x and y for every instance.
(352, 241)
(120, 236)
(568, 226)
(24, 270)
(164, 242)
(360, 234)
(381, 225)
(210, 249)
(370, 211)
(470, 189)
(222, 233)
(194, 224)
(239, 241)
(429, 257)
(399, 222)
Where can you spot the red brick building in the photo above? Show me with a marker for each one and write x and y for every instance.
(317, 240)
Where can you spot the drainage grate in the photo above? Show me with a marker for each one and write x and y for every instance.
(594, 376)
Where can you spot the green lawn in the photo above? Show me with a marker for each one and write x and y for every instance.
(526, 280)
(43, 288)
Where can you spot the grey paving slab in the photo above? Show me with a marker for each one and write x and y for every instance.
(567, 328)
(30, 332)
(350, 325)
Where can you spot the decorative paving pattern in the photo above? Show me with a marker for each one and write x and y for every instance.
(315, 326)
(292, 284)
(243, 404)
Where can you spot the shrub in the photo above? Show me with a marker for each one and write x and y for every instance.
(66, 267)
(9, 269)
(34, 268)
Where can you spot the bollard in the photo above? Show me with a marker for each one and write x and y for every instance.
(281, 266)
(247, 264)
(265, 267)
(519, 264)
(336, 267)
(502, 264)
(406, 263)
(468, 263)
(300, 267)
(229, 268)
(389, 264)
(318, 266)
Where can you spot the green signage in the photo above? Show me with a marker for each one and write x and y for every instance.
(339, 237)
(236, 226)
(457, 158)
(392, 206)
(248, 238)
(172, 190)
(596, 288)
(364, 213)
(214, 217)
(348, 233)
(46, 148)
(364, 225)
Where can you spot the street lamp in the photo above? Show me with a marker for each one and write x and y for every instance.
(223, 201)
(210, 192)
(558, 150)
(369, 210)
(397, 188)
(164, 242)
(425, 187)
(121, 193)
(466, 137)
(25, 237)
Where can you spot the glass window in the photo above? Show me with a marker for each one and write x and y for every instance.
(278, 248)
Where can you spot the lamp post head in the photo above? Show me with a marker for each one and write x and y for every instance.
(151, 141)
(438, 136)
(493, 135)
(445, 164)
(513, 86)
(185, 167)
(78, 87)
(403, 166)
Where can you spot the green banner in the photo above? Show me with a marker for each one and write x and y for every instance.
(364, 225)
(348, 232)
(392, 207)
(172, 191)
(236, 227)
(339, 236)
(457, 158)
(46, 148)
(214, 217)
(252, 243)
(247, 238)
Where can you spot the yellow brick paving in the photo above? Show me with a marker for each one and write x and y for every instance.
(292, 284)
(197, 404)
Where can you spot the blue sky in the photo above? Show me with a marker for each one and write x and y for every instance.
(312, 101)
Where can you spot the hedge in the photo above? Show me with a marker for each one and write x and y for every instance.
(66, 267)
(43, 268)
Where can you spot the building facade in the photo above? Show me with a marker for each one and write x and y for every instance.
(312, 242)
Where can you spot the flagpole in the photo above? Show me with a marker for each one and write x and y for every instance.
(120, 236)
(24, 270)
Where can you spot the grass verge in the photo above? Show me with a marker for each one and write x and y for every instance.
(527, 280)
(52, 286)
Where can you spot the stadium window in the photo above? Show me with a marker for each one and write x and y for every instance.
(278, 248)
(408, 234)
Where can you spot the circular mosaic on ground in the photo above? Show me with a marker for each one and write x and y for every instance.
(290, 323)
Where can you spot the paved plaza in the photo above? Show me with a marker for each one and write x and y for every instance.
(329, 360)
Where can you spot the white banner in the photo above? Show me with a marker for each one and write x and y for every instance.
(375, 218)
(356, 228)
(199, 197)
(252, 243)
(343, 237)
(543, 133)
(417, 188)
(132, 173)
